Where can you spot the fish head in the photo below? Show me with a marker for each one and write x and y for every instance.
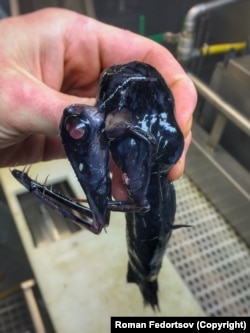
(82, 130)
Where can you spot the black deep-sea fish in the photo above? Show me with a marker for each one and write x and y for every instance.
(133, 120)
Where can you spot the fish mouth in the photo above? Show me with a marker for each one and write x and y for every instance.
(134, 160)
(133, 155)
(136, 190)
(98, 199)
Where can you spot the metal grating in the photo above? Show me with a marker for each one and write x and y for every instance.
(14, 315)
(213, 261)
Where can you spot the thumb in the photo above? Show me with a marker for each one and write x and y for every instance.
(29, 106)
(49, 107)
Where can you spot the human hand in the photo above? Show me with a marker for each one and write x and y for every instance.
(53, 58)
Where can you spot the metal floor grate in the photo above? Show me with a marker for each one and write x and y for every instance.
(14, 315)
(213, 261)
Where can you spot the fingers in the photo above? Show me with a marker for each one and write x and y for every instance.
(177, 171)
(185, 101)
(32, 149)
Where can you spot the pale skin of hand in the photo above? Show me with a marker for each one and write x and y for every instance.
(52, 58)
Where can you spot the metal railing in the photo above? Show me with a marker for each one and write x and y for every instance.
(227, 112)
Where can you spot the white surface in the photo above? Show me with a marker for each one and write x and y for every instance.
(83, 277)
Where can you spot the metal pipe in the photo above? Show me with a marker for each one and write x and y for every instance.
(198, 10)
(32, 305)
(225, 108)
(217, 130)
(187, 36)
(14, 7)
(90, 8)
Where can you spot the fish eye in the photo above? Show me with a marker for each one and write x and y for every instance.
(76, 128)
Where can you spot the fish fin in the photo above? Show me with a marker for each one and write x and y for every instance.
(148, 289)
(149, 292)
(177, 226)
(130, 274)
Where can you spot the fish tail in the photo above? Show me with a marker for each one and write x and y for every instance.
(149, 289)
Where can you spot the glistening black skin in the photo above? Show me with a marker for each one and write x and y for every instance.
(85, 143)
(145, 142)
(134, 120)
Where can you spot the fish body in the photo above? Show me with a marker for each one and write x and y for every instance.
(145, 142)
(147, 237)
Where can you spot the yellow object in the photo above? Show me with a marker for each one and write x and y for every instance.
(221, 48)
(9, 292)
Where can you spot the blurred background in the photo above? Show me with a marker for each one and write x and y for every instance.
(211, 41)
